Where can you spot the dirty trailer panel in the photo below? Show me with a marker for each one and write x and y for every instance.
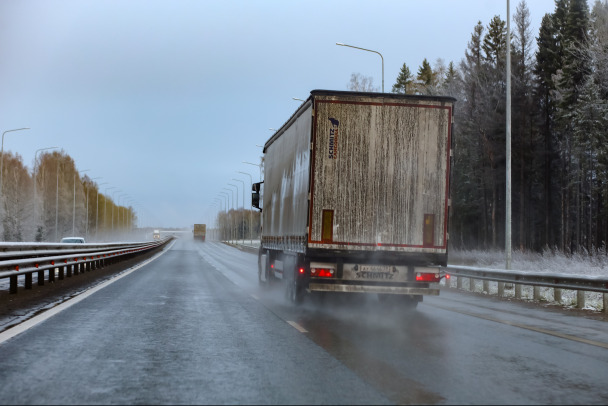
(381, 172)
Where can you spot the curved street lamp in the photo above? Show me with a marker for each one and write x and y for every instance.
(74, 207)
(243, 223)
(227, 203)
(86, 226)
(97, 211)
(105, 208)
(259, 166)
(368, 50)
(2, 155)
(250, 207)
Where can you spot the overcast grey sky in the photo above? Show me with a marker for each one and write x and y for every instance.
(164, 100)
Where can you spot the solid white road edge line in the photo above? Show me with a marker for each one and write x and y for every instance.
(297, 326)
(26, 325)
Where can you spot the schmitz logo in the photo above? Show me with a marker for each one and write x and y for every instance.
(333, 138)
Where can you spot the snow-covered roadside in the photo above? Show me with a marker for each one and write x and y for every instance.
(579, 264)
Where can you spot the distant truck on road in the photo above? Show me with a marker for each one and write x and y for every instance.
(356, 196)
(156, 235)
(199, 232)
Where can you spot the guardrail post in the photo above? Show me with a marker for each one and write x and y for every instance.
(471, 284)
(51, 275)
(28, 280)
(501, 289)
(459, 282)
(605, 304)
(486, 286)
(517, 291)
(536, 295)
(580, 299)
(13, 284)
(40, 278)
(557, 295)
(60, 273)
(68, 271)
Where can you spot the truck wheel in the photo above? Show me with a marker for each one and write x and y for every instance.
(263, 274)
(294, 291)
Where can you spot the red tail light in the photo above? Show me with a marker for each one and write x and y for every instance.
(427, 277)
(322, 272)
(301, 270)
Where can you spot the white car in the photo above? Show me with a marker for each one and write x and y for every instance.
(73, 240)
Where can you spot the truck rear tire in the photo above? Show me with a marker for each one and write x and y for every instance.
(294, 291)
(264, 276)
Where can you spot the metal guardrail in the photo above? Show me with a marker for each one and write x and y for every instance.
(558, 282)
(64, 259)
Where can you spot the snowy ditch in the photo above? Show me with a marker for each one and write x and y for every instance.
(584, 264)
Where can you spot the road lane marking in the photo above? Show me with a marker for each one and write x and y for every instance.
(526, 327)
(297, 326)
(26, 325)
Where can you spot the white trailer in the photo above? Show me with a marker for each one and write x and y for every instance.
(356, 195)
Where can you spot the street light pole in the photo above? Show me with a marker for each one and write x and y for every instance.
(74, 207)
(508, 146)
(2, 156)
(250, 207)
(368, 50)
(35, 181)
(105, 208)
(86, 226)
(227, 196)
(223, 206)
(243, 222)
(233, 209)
(114, 204)
(57, 201)
(97, 212)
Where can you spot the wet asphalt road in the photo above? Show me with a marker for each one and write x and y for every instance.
(193, 327)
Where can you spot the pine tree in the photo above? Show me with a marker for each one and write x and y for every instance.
(425, 74)
(404, 81)
(471, 205)
(495, 42)
(450, 85)
(526, 166)
(546, 66)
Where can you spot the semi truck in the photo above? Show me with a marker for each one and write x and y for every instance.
(199, 232)
(156, 235)
(356, 196)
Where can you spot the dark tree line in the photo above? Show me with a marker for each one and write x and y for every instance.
(559, 129)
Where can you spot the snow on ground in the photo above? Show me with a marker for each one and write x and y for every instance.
(578, 264)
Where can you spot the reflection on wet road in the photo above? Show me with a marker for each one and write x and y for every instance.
(455, 348)
(194, 326)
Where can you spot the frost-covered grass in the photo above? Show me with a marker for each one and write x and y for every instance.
(583, 263)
